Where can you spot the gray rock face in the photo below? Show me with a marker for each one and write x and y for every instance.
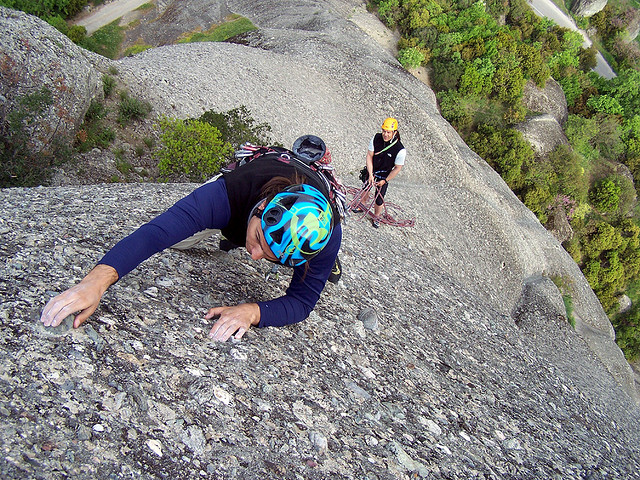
(543, 133)
(442, 353)
(549, 100)
(446, 384)
(35, 55)
(587, 8)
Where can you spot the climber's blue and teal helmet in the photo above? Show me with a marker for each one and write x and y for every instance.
(297, 224)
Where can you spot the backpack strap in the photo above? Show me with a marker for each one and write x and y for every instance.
(322, 170)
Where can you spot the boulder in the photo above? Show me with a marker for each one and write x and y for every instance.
(559, 225)
(625, 303)
(587, 8)
(544, 133)
(37, 59)
(549, 99)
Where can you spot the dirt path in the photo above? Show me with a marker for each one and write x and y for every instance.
(107, 13)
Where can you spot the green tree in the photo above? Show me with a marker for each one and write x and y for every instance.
(604, 237)
(388, 11)
(571, 175)
(471, 82)
(21, 162)
(572, 89)
(537, 199)
(505, 150)
(605, 104)
(608, 139)
(587, 57)
(581, 131)
(625, 88)
(410, 57)
(532, 63)
(605, 195)
(46, 8)
(237, 126)
(447, 72)
(456, 110)
(630, 135)
(565, 60)
(627, 327)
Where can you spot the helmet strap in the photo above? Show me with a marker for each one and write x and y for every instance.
(256, 211)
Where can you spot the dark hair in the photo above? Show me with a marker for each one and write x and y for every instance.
(278, 184)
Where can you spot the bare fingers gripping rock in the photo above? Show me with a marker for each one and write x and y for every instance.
(233, 320)
(82, 298)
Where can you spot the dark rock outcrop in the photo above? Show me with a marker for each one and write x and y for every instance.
(587, 8)
(559, 225)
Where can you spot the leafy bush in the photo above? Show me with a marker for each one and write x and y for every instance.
(572, 89)
(47, 8)
(387, 11)
(447, 72)
(595, 137)
(627, 194)
(135, 49)
(455, 110)
(631, 136)
(108, 84)
(131, 108)
(604, 237)
(77, 34)
(508, 84)
(571, 173)
(505, 150)
(58, 23)
(604, 104)
(92, 133)
(190, 148)
(537, 199)
(627, 327)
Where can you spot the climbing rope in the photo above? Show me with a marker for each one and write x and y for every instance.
(362, 204)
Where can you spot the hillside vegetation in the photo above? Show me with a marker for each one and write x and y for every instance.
(479, 66)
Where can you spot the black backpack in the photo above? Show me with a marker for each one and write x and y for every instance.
(316, 166)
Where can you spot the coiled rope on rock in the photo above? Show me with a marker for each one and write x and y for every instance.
(391, 214)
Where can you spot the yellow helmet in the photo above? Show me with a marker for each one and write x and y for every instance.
(390, 124)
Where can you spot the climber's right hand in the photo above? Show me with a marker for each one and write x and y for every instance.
(82, 299)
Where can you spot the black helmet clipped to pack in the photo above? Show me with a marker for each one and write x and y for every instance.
(309, 148)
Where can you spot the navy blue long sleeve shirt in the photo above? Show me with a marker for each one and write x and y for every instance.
(208, 207)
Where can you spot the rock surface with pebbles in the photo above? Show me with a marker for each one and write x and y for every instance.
(443, 352)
